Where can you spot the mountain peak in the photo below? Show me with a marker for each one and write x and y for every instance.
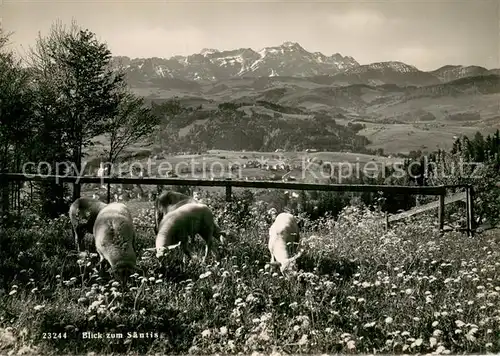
(286, 59)
(290, 44)
(453, 72)
(206, 51)
(394, 65)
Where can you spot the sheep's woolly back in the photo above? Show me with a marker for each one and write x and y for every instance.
(167, 202)
(170, 198)
(84, 211)
(82, 214)
(283, 237)
(187, 220)
(115, 236)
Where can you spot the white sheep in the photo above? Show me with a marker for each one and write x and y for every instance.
(167, 202)
(187, 220)
(115, 239)
(82, 214)
(284, 237)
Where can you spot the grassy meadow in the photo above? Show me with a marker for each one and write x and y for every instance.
(306, 167)
(358, 289)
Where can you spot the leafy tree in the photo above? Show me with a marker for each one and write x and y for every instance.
(171, 117)
(474, 161)
(132, 122)
(16, 121)
(76, 68)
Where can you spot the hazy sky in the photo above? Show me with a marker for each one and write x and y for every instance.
(427, 34)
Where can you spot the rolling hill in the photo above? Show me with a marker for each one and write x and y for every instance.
(392, 98)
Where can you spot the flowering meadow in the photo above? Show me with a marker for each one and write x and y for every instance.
(359, 288)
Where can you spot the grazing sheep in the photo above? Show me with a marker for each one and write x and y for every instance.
(283, 240)
(187, 220)
(82, 214)
(115, 239)
(167, 202)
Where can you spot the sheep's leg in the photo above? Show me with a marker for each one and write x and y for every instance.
(289, 248)
(294, 245)
(215, 248)
(283, 273)
(122, 276)
(186, 250)
(80, 231)
(124, 280)
(209, 247)
(206, 253)
(158, 217)
(100, 264)
(77, 239)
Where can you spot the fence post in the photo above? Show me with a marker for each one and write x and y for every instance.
(387, 224)
(4, 195)
(470, 211)
(228, 193)
(467, 208)
(441, 212)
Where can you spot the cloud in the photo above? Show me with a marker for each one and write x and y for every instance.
(356, 20)
(415, 54)
(149, 42)
(430, 57)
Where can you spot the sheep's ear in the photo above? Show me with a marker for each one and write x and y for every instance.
(297, 255)
(171, 247)
(283, 269)
(151, 249)
(224, 237)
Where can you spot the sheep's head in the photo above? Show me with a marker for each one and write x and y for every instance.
(227, 237)
(273, 213)
(161, 251)
(122, 271)
(290, 265)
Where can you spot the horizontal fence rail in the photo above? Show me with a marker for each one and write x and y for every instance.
(229, 183)
(426, 207)
(366, 188)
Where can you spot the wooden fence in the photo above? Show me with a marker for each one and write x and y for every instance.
(441, 203)
(440, 191)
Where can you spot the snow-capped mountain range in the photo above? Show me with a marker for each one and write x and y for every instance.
(288, 59)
